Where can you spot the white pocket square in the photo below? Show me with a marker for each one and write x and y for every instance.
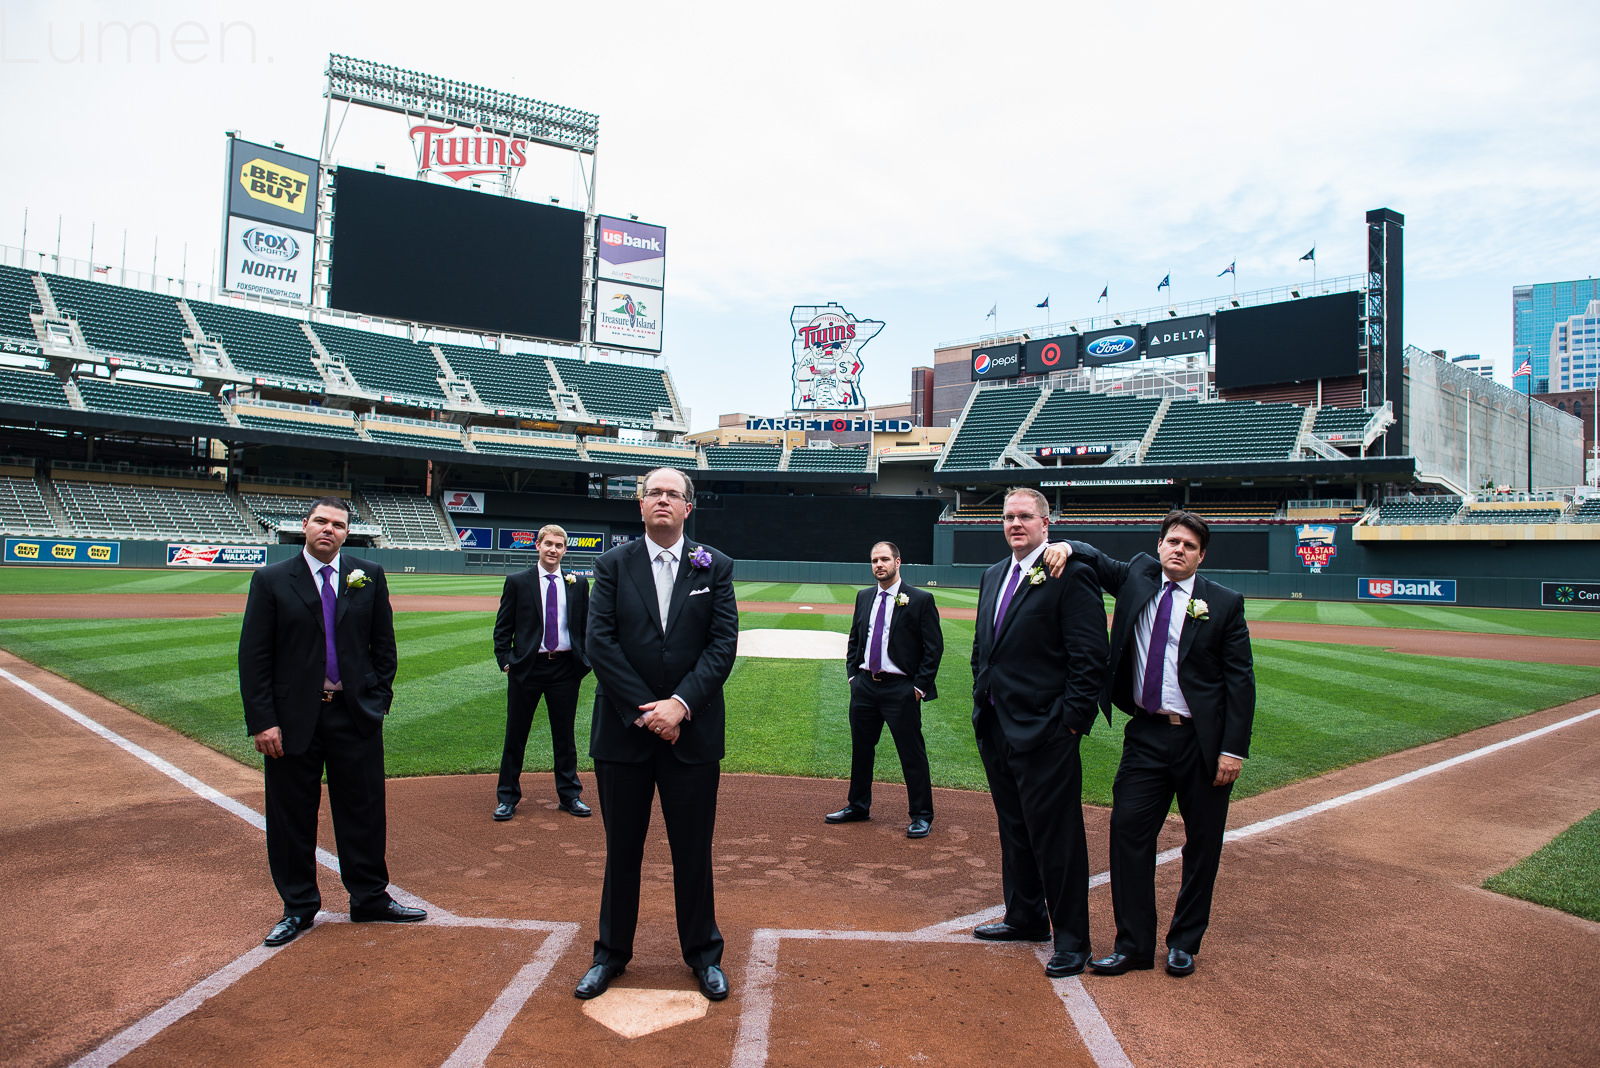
(703, 589)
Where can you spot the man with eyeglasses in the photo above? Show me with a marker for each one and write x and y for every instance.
(1038, 660)
(663, 634)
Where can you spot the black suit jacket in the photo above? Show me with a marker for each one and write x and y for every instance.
(283, 652)
(1215, 667)
(1045, 667)
(635, 661)
(916, 644)
(519, 624)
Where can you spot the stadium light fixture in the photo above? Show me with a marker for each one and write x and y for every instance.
(278, 145)
(380, 166)
(634, 218)
(1234, 303)
(1172, 313)
(1295, 293)
(231, 133)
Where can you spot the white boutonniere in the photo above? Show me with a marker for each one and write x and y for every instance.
(572, 580)
(1198, 609)
(356, 579)
(901, 600)
(1036, 576)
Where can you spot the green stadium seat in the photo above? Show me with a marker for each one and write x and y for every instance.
(119, 319)
(1075, 418)
(616, 389)
(517, 380)
(744, 457)
(17, 298)
(32, 387)
(381, 363)
(258, 343)
(1225, 432)
(990, 423)
(836, 459)
(151, 402)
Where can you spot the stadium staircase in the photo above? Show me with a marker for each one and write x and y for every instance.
(988, 427)
(47, 299)
(52, 502)
(1308, 444)
(334, 374)
(23, 509)
(408, 520)
(18, 298)
(1153, 429)
(1013, 450)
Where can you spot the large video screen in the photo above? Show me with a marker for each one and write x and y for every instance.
(1293, 341)
(412, 250)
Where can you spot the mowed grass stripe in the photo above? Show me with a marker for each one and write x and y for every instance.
(1320, 706)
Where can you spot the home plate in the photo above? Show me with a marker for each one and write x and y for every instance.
(793, 644)
(632, 1012)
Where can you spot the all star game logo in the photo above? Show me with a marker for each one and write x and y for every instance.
(826, 373)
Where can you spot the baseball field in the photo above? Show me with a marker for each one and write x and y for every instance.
(1404, 757)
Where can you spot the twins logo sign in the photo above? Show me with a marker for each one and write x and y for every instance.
(827, 366)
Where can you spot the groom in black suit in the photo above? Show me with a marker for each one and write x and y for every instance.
(316, 671)
(1181, 669)
(1038, 661)
(538, 641)
(663, 634)
(892, 663)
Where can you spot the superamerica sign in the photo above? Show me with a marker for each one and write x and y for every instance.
(853, 426)
(827, 346)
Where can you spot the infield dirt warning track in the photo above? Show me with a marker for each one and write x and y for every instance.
(1351, 936)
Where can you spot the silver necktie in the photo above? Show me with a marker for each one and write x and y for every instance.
(664, 584)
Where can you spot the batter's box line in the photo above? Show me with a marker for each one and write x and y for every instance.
(479, 1042)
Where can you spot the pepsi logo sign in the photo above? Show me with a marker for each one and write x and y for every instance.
(1114, 345)
(981, 364)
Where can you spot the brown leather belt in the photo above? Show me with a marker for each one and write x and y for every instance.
(883, 676)
(543, 654)
(1170, 717)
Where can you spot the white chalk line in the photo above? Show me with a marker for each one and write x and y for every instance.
(479, 1042)
(750, 1049)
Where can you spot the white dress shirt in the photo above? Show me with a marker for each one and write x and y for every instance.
(316, 577)
(889, 666)
(1028, 563)
(1171, 696)
(675, 550)
(563, 638)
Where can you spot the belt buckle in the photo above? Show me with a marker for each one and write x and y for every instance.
(327, 696)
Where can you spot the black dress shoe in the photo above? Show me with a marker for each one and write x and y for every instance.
(388, 912)
(713, 984)
(1118, 963)
(1004, 932)
(1062, 964)
(576, 807)
(596, 979)
(919, 828)
(503, 812)
(847, 815)
(1179, 962)
(287, 930)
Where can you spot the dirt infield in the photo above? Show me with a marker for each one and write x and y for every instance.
(1539, 650)
(1351, 937)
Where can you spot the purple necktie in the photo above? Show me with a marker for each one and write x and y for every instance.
(552, 620)
(331, 672)
(875, 654)
(1005, 600)
(1155, 659)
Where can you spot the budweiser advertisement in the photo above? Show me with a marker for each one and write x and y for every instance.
(632, 252)
(183, 555)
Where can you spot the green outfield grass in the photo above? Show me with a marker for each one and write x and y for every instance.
(1563, 875)
(1320, 706)
(1517, 621)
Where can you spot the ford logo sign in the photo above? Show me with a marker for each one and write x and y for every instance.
(981, 364)
(1114, 345)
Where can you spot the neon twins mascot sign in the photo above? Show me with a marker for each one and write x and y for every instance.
(458, 153)
(827, 358)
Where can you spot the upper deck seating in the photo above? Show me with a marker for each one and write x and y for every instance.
(1226, 431)
(744, 457)
(119, 319)
(504, 379)
(616, 389)
(153, 402)
(381, 363)
(989, 425)
(258, 343)
(1072, 418)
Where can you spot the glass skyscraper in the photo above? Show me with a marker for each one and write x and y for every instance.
(1535, 312)
(1575, 350)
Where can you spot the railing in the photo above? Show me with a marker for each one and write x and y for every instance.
(1353, 504)
(499, 431)
(129, 469)
(288, 406)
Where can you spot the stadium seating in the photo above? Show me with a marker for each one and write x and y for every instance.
(418, 433)
(153, 513)
(521, 443)
(1500, 515)
(1225, 432)
(1347, 421)
(408, 520)
(151, 402)
(258, 343)
(257, 419)
(616, 389)
(381, 363)
(32, 387)
(504, 379)
(744, 457)
(1132, 512)
(22, 508)
(976, 513)
(1075, 418)
(17, 296)
(838, 459)
(1408, 511)
(119, 319)
(271, 509)
(1587, 511)
(990, 423)
(1234, 511)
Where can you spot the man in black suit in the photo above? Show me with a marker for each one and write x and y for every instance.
(1038, 661)
(538, 640)
(1190, 707)
(316, 671)
(889, 679)
(663, 634)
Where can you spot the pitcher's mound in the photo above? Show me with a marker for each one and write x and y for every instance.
(793, 644)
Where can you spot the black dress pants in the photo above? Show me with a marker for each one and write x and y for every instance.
(1161, 761)
(557, 682)
(689, 809)
(893, 700)
(355, 797)
(1044, 852)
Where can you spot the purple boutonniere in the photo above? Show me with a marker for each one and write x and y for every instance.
(700, 558)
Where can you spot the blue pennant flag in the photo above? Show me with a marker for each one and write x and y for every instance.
(1312, 255)
(1103, 293)
(1045, 303)
(1166, 283)
(1228, 269)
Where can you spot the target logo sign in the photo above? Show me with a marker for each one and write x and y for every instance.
(1050, 355)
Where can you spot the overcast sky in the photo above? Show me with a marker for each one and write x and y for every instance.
(917, 163)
